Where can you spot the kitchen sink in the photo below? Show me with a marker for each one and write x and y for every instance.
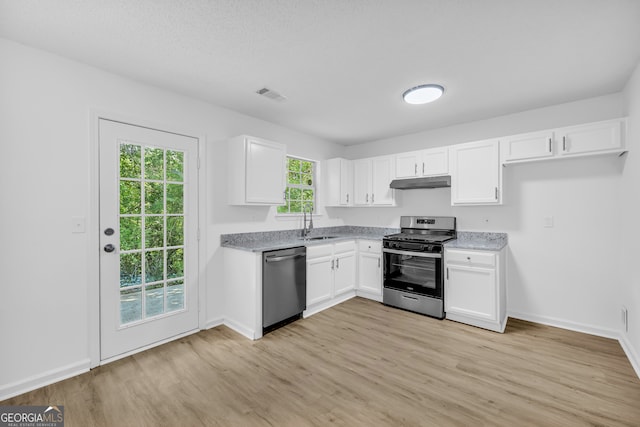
(319, 238)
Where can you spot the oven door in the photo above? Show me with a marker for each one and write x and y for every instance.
(416, 272)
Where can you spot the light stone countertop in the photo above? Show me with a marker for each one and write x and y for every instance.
(282, 239)
(477, 240)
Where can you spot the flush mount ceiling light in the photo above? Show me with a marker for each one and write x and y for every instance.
(423, 94)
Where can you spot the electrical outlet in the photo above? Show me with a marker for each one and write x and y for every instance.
(624, 316)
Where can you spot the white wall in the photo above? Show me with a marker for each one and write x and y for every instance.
(45, 138)
(566, 275)
(630, 209)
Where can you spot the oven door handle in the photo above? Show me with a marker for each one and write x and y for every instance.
(418, 254)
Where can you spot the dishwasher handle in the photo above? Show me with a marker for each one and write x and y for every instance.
(282, 258)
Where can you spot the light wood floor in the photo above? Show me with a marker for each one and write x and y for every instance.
(360, 363)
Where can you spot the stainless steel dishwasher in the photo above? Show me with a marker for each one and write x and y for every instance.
(284, 286)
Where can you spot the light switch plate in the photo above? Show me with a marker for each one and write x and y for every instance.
(78, 224)
(548, 221)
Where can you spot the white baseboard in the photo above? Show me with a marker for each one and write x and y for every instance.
(214, 322)
(317, 308)
(631, 353)
(49, 377)
(241, 329)
(565, 324)
(369, 295)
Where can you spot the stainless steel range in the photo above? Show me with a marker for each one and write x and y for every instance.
(414, 265)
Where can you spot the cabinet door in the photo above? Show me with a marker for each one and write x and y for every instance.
(370, 273)
(471, 291)
(382, 175)
(435, 161)
(408, 165)
(601, 136)
(338, 182)
(346, 182)
(319, 279)
(362, 182)
(528, 146)
(475, 177)
(265, 169)
(345, 273)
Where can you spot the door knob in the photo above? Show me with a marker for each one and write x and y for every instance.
(109, 248)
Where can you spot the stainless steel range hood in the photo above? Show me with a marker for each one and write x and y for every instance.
(427, 182)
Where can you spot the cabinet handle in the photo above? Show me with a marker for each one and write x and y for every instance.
(550, 145)
(333, 264)
(372, 197)
(378, 262)
(447, 273)
(337, 263)
(284, 195)
(367, 198)
(415, 169)
(347, 197)
(422, 168)
(496, 193)
(564, 143)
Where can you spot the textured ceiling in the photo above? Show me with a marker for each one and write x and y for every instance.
(343, 64)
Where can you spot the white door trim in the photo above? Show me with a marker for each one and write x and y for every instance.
(93, 222)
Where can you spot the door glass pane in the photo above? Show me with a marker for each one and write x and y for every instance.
(154, 163)
(130, 269)
(130, 161)
(153, 197)
(154, 231)
(175, 295)
(130, 305)
(175, 231)
(154, 266)
(174, 199)
(175, 263)
(130, 233)
(154, 299)
(130, 197)
(175, 165)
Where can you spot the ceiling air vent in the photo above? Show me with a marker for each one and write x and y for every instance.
(271, 94)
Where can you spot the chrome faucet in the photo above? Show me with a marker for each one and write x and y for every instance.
(305, 230)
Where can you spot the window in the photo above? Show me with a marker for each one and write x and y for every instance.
(301, 190)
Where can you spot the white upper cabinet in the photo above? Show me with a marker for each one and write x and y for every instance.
(382, 175)
(256, 174)
(582, 140)
(535, 145)
(407, 164)
(361, 182)
(476, 173)
(371, 179)
(431, 162)
(591, 138)
(338, 181)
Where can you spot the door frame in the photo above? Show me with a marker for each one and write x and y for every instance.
(93, 226)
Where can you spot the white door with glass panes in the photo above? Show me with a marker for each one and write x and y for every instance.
(148, 237)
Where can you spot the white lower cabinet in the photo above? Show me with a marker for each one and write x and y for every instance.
(370, 269)
(475, 288)
(331, 275)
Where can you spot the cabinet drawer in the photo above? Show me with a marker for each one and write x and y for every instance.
(467, 257)
(371, 246)
(319, 251)
(342, 247)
